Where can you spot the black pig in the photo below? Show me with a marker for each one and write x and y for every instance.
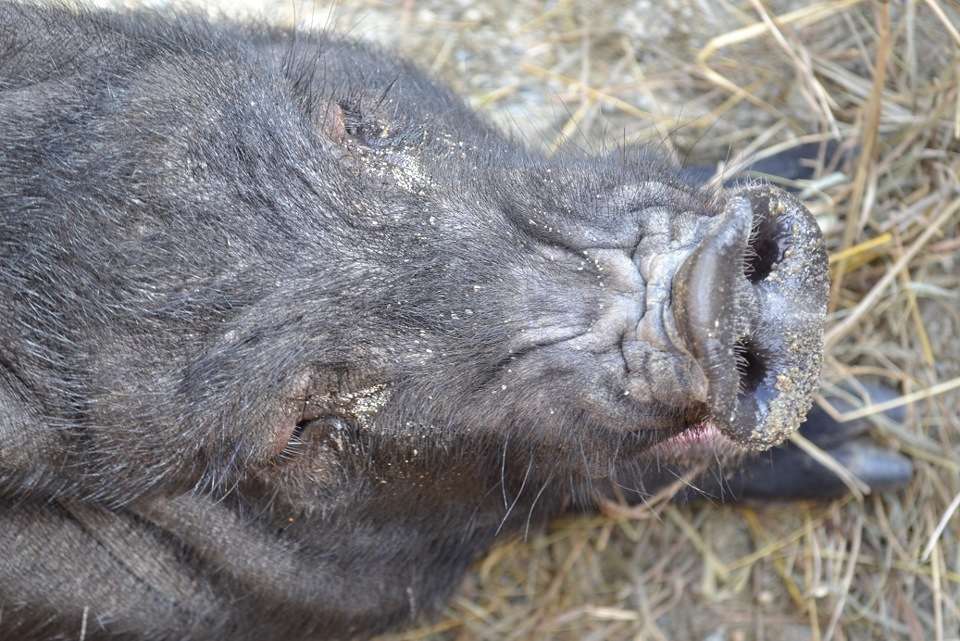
(290, 335)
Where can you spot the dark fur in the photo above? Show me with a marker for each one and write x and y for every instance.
(290, 334)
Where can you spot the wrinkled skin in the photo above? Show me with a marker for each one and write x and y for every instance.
(291, 335)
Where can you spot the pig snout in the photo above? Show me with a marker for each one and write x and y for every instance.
(669, 311)
(749, 305)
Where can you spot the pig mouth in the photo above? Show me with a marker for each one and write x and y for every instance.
(749, 305)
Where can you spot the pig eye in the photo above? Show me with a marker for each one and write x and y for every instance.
(296, 438)
(371, 132)
(377, 135)
(310, 433)
(293, 435)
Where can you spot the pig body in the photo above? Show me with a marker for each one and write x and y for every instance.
(292, 335)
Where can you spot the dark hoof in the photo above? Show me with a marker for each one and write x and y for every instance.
(784, 169)
(787, 472)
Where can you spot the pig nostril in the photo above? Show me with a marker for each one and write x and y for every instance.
(763, 252)
(751, 366)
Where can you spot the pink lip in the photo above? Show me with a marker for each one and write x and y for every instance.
(700, 438)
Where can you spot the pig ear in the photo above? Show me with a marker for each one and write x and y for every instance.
(330, 121)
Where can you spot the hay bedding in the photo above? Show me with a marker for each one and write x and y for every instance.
(708, 78)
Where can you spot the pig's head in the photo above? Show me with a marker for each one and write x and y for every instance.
(583, 311)
(461, 293)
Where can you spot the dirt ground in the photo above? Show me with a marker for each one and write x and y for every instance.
(711, 80)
